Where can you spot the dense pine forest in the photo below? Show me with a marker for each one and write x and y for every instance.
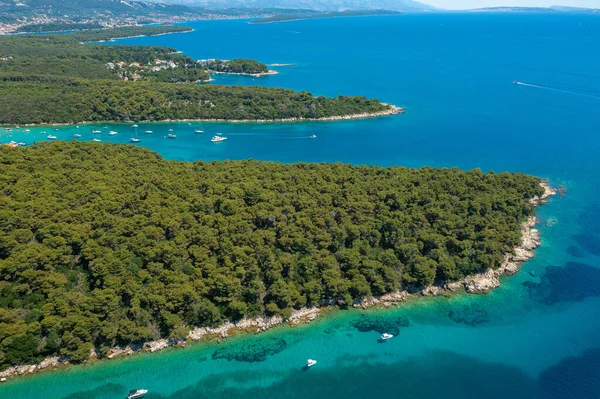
(106, 244)
(60, 79)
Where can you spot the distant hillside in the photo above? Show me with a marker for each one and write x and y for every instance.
(82, 9)
(552, 9)
(318, 5)
(59, 15)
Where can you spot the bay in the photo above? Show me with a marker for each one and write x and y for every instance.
(536, 336)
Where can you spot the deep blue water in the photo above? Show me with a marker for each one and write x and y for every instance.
(538, 336)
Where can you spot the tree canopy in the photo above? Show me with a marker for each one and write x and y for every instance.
(59, 79)
(106, 244)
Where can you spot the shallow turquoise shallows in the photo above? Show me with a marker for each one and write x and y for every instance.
(538, 336)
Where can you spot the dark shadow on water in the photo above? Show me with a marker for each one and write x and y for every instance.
(575, 377)
(470, 315)
(115, 390)
(437, 375)
(256, 350)
(575, 251)
(589, 238)
(369, 322)
(572, 283)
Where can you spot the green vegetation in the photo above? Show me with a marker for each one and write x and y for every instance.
(58, 79)
(57, 27)
(47, 100)
(127, 31)
(109, 244)
(293, 15)
(239, 65)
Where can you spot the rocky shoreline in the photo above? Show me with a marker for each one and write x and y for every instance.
(256, 75)
(481, 283)
(393, 110)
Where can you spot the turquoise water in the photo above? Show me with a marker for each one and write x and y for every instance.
(538, 336)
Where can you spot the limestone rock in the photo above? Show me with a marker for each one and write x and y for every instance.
(482, 283)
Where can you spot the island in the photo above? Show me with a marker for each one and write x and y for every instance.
(107, 249)
(296, 15)
(48, 79)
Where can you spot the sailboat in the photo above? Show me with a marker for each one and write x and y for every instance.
(201, 130)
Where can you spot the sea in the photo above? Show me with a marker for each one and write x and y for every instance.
(537, 336)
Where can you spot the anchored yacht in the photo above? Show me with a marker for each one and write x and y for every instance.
(137, 393)
(218, 139)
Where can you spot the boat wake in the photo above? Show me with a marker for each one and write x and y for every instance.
(586, 93)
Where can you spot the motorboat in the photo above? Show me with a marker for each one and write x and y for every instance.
(310, 362)
(51, 137)
(96, 131)
(171, 136)
(386, 336)
(137, 393)
(314, 136)
(112, 133)
(97, 140)
(218, 139)
(77, 135)
(26, 130)
(148, 132)
(134, 140)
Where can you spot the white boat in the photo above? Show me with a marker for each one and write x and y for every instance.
(137, 393)
(112, 133)
(171, 136)
(170, 130)
(27, 130)
(198, 131)
(96, 131)
(310, 362)
(314, 136)
(97, 140)
(218, 139)
(77, 135)
(134, 140)
(148, 132)
(386, 336)
(134, 125)
(56, 129)
(51, 137)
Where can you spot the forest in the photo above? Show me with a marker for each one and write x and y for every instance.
(104, 244)
(59, 79)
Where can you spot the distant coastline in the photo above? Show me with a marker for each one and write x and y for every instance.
(480, 283)
(114, 39)
(300, 15)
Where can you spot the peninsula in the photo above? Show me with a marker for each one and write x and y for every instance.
(296, 15)
(106, 245)
(47, 79)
